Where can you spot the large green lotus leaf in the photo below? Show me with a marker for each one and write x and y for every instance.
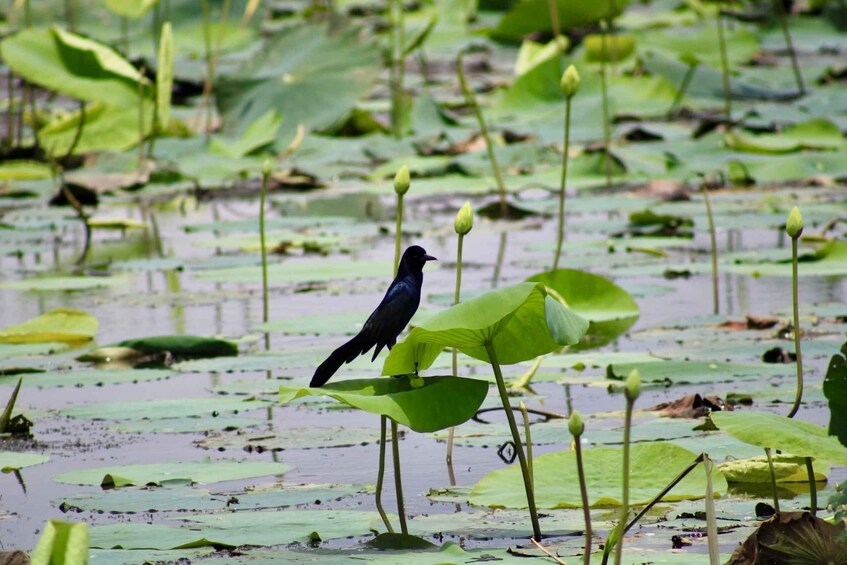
(521, 322)
(786, 469)
(531, 16)
(62, 542)
(233, 529)
(701, 42)
(595, 298)
(14, 460)
(173, 498)
(693, 372)
(773, 431)
(200, 472)
(60, 325)
(652, 467)
(440, 402)
(134, 9)
(73, 65)
(815, 134)
(112, 128)
(829, 259)
(307, 75)
(164, 408)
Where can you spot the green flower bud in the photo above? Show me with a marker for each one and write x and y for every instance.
(632, 388)
(570, 82)
(402, 181)
(464, 219)
(575, 424)
(267, 168)
(794, 225)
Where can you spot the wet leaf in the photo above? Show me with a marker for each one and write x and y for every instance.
(62, 543)
(61, 325)
(14, 460)
(196, 472)
(787, 469)
(440, 403)
(557, 486)
(531, 16)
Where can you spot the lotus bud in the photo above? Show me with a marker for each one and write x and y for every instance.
(794, 225)
(570, 81)
(632, 388)
(575, 424)
(402, 181)
(267, 168)
(464, 219)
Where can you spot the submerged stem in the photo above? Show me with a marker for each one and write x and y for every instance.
(516, 439)
(798, 397)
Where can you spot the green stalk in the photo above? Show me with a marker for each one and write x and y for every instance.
(605, 94)
(562, 183)
(555, 26)
(398, 233)
(398, 65)
(489, 146)
(398, 485)
(714, 243)
(711, 524)
(583, 491)
(624, 513)
(27, 13)
(266, 173)
(796, 307)
(528, 435)
(141, 119)
(683, 88)
(6, 416)
(516, 439)
(789, 44)
(727, 97)
(78, 132)
(773, 480)
(813, 487)
(125, 36)
(380, 475)
(10, 109)
(456, 294)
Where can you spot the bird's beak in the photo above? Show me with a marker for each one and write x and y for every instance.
(429, 258)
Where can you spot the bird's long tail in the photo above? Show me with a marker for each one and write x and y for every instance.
(343, 354)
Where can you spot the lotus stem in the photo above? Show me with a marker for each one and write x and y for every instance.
(456, 296)
(813, 487)
(789, 44)
(576, 427)
(562, 183)
(498, 264)
(398, 64)
(125, 36)
(77, 133)
(70, 14)
(528, 435)
(141, 73)
(711, 524)
(398, 231)
(380, 475)
(604, 36)
(398, 484)
(727, 96)
(27, 13)
(212, 55)
(798, 397)
(83, 217)
(683, 88)
(10, 109)
(489, 146)
(516, 439)
(631, 390)
(714, 245)
(773, 479)
(6, 416)
(266, 173)
(555, 26)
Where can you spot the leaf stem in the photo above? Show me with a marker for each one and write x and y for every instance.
(727, 96)
(714, 244)
(79, 128)
(528, 435)
(624, 512)
(813, 487)
(683, 88)
(711, 524)
(562, 183)
(456, 297)
(516, 439)
(489, 146)
(583, 491)
(398, 233)
(266, 173)
(773, 479)
(380, 475)
(789, 44)
(796, 307)
(398, 484)
(605, 94)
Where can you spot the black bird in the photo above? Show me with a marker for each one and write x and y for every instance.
(383, 326)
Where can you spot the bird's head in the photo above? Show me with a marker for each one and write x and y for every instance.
(415, 257)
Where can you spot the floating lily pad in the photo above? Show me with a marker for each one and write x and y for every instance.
(14, 460)
(199, 472)
(164, 408)
(60, 325)
(653, 466)
(786, 469)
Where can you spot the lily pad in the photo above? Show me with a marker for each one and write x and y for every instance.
(14, 460)
(198, 472)
(60, 325)
(652, 467)
(424, 405)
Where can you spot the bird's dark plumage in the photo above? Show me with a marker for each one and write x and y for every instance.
(383, 326)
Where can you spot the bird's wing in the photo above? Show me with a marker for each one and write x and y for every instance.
(393, 313)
